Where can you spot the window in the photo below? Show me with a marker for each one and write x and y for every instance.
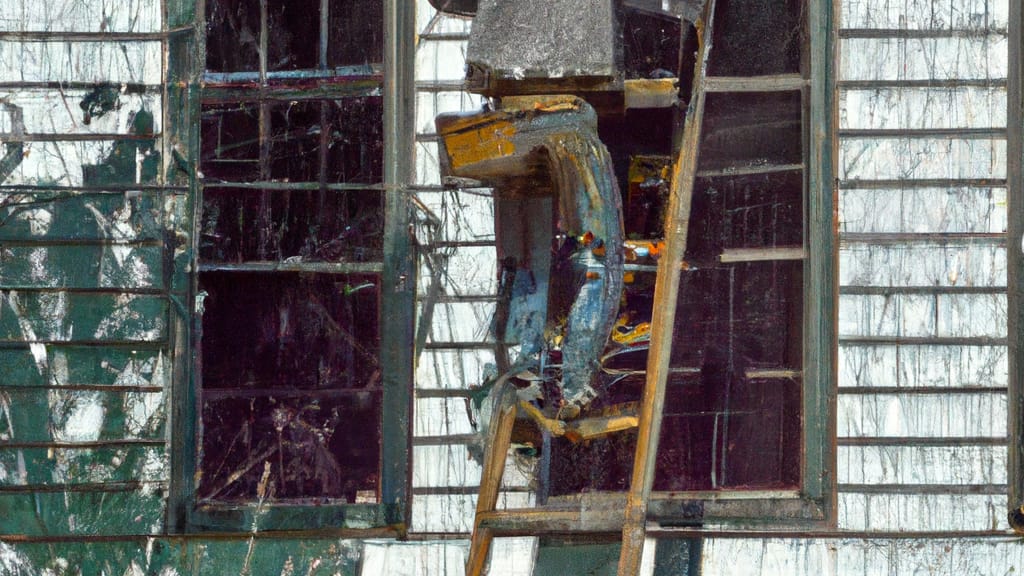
(746, 425)
(303, 294)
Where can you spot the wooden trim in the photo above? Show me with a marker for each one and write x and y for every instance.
(1015, 266)
(773, 83)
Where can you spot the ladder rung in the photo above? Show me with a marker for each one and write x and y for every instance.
(541, 520)
(762, 254)
(750, 170)
(772, 83)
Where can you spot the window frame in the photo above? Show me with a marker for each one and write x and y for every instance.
(187, 88)
(813, 504)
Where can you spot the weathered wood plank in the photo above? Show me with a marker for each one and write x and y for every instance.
(925, 210)
(923, 315)
(470, 270)
(72, 215)
(930, 415)
(976, 57)
(921, 513)
(441, 417)
(955, 263)
(922, 366)
(80, 16)
(76, 267)
(922, 108)
(133, 62)
(76, 164)
(452, 369)
(61, 415)
(925, 14)
(76, 317)
(78, 513)
(922, 465)
(921, 158)
(83, 366)
(60, 113)
(68, 466)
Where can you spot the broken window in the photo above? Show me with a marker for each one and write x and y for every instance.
(290, 251)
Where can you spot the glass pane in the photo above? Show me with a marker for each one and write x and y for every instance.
(755, 211)
(723, 430)
(751, 129)
(295, 141)
(294, 34)
(290, 331)
(310, 448)
(230, 142)
(651, 44)
(232, 35)
(241, 225)
(356, 32)
(355, 151)
(757, 37)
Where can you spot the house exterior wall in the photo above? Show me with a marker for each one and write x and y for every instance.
(95, 224)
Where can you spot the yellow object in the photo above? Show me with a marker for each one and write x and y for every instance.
(492, 140)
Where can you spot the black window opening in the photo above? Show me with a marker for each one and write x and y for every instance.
(291, 253)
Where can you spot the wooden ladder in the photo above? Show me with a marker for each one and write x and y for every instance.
(628, 513)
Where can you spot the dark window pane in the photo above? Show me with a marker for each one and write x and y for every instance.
(725, 430)
(756, 37)
(295, 141)
(230, 142)
(294, 34)
(356, 32)
(749, 312)
(755, 211)
(241, 225)
(651, 44)
(290, 331)
(751, 129)
(355, 151)
(232, 35)
(313, 447)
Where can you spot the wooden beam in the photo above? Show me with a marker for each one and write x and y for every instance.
(771, 83)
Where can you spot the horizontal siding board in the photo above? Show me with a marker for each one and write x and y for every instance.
(926, 415)
(133, 62)
(72, 215)
(954, 263)
(922, 108)
(47, 164)
(455, 466)
(923, 315)
(441, 60)
(470, 271)
(917, 366)
(63, 112)
(924, 210)
(75, 267)
(949, 465)
(922, 513)
(441, 417)
(77, 317)
(72, 416)
(974, 57)
(83, 366)
(921, 158)
(925, 14)
(863, 556)
(462, 322)
(84, 513)
(465, 215)
(70, 466)
(452, 369)
(80, 16)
